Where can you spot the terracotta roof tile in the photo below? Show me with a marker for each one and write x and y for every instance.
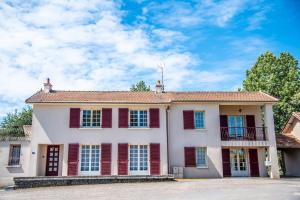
(146, 97)
(287, 141)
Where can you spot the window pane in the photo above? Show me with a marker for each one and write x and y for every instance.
(15, 155)
(143, 118)
(96, 118)
(231, 123)
(86, 118)
(133, 162)
(199, 119)
(95, 156)
(143, 157)
(201, 156)
(133, 118)
(85, 157)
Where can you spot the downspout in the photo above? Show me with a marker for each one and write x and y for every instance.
(167, 134)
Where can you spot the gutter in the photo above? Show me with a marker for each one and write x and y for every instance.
(167, 134)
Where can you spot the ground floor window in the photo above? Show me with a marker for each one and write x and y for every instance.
(15, 152)
(138, 158)
(90, 158)
(201, 157)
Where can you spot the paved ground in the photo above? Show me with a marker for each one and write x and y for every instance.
(210, 189)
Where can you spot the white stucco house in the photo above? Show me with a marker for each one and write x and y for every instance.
(190, 134)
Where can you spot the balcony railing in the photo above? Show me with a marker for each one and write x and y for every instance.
(243, 133)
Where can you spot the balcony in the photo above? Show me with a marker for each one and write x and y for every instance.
(243, 134)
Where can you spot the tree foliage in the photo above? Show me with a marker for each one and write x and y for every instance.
(140, 87)
(279, 77)
(18, 119)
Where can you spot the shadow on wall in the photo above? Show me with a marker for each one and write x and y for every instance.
(15, 170)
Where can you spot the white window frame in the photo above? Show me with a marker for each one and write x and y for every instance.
(11, 155)
(199, 111)
(197, 164)
(138, 118)
(238, 131)
(91, 120)
(138, 171)
(89, 172)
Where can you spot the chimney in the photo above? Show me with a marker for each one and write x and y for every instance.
(158, 87)
(47, 86)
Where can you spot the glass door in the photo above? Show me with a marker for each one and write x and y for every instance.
(236, 126)
(138, 159)
(90, 160)
(239, 164)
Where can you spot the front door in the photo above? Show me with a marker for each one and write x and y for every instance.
(138, 160)
(52, 160)
(239, 164)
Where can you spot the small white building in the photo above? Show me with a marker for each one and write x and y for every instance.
(191, 134)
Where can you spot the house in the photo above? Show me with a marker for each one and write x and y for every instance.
(189, 134)
(288, 144)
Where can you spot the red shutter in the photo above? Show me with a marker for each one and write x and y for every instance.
(105, 159)
(106, 117)
(190, 156)
(226, 162)
(188, 119)
(224, 127)
(251, 130)
(73, 155)
(74, 118)
(123, 117)
(154, 117)
(123, 159)
(254, 167)
(155, 159)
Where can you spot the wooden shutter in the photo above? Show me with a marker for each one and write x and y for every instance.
(73, 156)
(155, 159)
(226, 162)
(190, 156)
(154, 117)
(106, 118)
(74, 118)
(251, 130)
(188, 119)
(224, 127)
(123, 117)
(254, 167)
(105, 159)
(123, 159)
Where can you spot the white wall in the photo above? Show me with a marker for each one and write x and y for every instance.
(296, 128)
(7, 173)
(209, 138)
(51, 126)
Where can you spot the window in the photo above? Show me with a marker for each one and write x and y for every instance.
(201, 157)
(90, 155)
(91, 118)
(15, 152)
(236, 125)
(199, 119)
(138, 157)
(138, 118)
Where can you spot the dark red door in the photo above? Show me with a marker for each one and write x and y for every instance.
(52, 160)
(254, 168)
(226, 162)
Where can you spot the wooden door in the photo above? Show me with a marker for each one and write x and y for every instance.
(52, 160)
(254, 167)
(226, 162)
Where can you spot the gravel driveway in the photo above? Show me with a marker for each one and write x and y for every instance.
(210, 189)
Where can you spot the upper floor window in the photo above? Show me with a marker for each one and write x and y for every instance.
(138, 118)
(201, 157)
(14, 154)
(199, 119)
(91, 118)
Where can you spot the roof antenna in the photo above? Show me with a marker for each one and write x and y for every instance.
(162, 66)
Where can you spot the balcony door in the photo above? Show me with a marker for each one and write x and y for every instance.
(236, 125)
(239, 162)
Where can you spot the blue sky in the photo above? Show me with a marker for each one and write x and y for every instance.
(109, 45)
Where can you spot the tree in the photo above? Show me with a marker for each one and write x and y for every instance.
(140, 87)
(279, 77)
(13, 122)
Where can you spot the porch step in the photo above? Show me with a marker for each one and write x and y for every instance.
(45, 181)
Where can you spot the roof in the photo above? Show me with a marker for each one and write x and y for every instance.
(287, 141)
(57, 96)
(288, 125)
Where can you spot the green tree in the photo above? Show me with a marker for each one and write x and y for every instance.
(279, 77)
(140, 87)
(13, 122)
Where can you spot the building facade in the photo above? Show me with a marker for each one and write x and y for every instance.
(189, 134)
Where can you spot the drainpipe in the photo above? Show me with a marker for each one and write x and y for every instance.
(167, 134)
